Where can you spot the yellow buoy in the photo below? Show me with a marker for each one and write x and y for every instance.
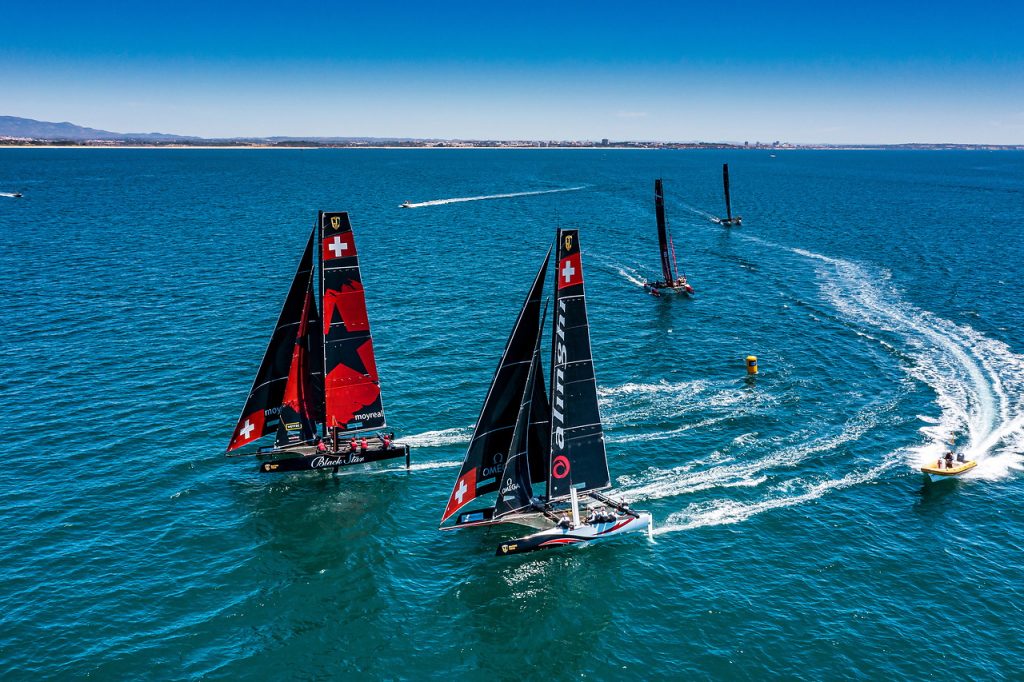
(751, 364)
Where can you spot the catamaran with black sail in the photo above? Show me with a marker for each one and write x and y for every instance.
(671, 280)
(317, 388)
(543, 453)
(729, 220)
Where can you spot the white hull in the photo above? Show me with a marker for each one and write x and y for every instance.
(560, 536)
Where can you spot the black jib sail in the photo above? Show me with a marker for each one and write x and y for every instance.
(515, 490)
(578, 457)
(663, 238)
(352, 398)
(262, 412)
(725, 183)
(492, 436)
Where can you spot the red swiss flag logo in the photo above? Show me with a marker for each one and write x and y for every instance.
(465, 490)
(339, 246)
(570, 271)
(249, 428)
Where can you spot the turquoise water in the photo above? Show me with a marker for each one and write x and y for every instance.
(794, 537)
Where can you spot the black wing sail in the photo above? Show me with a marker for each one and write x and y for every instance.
(515, 491)
(578, 457)
(492, 436)
(725, 183)
(663, 238)
(261, 413)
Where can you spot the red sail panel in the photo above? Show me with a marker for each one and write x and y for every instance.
(298, 422)
(352, 399)
(261, 414)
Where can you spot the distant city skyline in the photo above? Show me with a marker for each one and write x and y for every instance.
(793, 71)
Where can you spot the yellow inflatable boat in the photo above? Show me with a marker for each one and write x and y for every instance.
(934, 473)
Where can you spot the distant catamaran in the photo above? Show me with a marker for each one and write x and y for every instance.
(525, 439)
(317, 388)
(671, 279)
(729, 219)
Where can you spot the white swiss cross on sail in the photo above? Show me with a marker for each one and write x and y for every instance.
(568, 271)
(247, 429)
(337, 247)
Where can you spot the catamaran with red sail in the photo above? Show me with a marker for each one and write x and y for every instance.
(543, 452)
(672, 280)
(729, 220)
(317, 390)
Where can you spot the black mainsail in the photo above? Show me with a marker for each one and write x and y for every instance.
(725, 183)
(492, 436)
(578, 457)
(663, 237)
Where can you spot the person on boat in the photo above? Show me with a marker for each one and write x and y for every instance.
(949, 460)
(352, 444)
(362, 443)
(320, 445)
(386, 441)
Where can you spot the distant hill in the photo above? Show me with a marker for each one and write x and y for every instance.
(14, 126)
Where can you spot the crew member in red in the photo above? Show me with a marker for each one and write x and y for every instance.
(362, 443)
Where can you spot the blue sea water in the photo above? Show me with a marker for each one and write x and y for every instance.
(794, 536)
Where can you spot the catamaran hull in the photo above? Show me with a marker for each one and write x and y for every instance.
(560, 537)
(729, 222)
(312, 462)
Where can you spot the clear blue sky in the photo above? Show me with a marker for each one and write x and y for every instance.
(820, 71)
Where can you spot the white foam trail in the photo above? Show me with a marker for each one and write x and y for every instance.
(656, 484)
(978, 381)
(7, 194)
(440, 438)
(718, 512)
(703, 214)
(457, 200)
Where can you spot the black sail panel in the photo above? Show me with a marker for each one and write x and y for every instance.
(261, 413)
(663, 239)
(515, 489)
(297, 423)
(492, 436)
(352, 399)
(725, 183)
(578, 457)
(539, 445)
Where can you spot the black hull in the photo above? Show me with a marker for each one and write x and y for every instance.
(730, 222)
(327, 460)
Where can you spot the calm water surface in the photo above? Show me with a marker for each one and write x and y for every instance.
(795, 539)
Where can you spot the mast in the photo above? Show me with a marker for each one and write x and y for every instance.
(515, 491)
(578, 457)
(352, 400)
(725, 182)
(492, 436)
(663, 238)
(262, 410)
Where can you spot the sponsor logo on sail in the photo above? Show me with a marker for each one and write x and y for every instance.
(368, 415)
(496, 468)
(335, 221)
(558, 404)
(568, 242)
(509, 486)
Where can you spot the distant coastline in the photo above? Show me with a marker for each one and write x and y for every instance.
(466, 144)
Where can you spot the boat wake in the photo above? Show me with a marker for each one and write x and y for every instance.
(440, 438)
(978, 381)
(703, 214)
(457, 200)
(8, 194)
